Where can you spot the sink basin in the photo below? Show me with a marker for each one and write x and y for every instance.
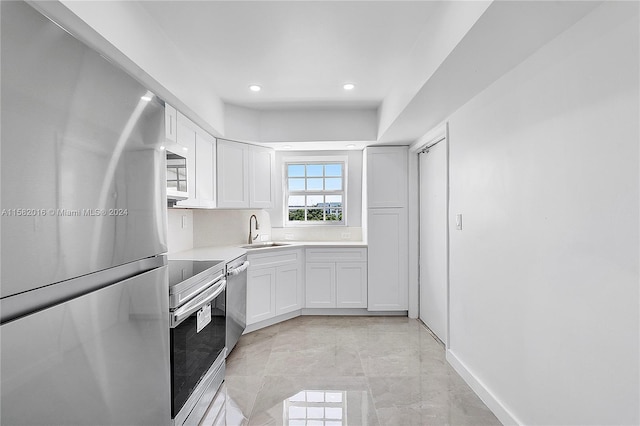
(264, 245)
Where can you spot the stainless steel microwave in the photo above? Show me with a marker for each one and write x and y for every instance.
(177, 172)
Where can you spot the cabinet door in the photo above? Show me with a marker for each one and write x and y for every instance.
(233, 174)
(170, 122)
(351, 285)
(205, 171)
(186, 138)
(261, 304)
(288, 288)
(388, 265)
(387, 179)
(261, 177)
(320, 285)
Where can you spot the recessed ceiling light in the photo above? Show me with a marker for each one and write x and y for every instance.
(255, 88)
(349, 86)
(351, 146)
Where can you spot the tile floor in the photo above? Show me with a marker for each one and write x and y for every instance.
(332, 370)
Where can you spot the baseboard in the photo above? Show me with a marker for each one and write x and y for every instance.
(271, 321)
(319, 311)
(351, 311)
(490, 400)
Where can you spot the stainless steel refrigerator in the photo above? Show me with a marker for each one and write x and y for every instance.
(84, 334)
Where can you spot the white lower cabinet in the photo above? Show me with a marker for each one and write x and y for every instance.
(288, 288)
(275, 284)
(320, 285)
(336, 278)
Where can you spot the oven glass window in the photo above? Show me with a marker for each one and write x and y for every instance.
(193, 353)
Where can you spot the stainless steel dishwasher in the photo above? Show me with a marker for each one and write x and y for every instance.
(236, 300)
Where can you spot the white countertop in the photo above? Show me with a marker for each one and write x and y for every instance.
(228, 253)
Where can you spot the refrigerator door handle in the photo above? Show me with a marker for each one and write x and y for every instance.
(194, 305)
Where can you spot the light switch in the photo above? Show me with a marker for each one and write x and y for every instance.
(459, 221)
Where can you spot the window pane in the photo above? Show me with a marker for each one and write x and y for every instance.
(334, 413)
(334, 200)
(315, 200)
(333, 170)
(315, 412)
(333, 184)
(296, 201)
(333, 396)
(296, 214)
(315, 214)
(314, 184)
(298, 413)
(333, 214)
(315, 396)
(296, 184)
(314, 169)
(296, 170)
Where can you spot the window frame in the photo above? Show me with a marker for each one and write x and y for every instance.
(310, 160)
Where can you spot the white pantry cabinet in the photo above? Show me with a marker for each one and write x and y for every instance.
(275, 284)
(245, 175)
(387, 228)
(336, 278)
(200, 163)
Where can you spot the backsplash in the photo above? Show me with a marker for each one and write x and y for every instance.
(228, 227)
(317, 233)
(180, 235)
(189, 228)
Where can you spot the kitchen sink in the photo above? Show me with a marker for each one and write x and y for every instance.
(264, 245)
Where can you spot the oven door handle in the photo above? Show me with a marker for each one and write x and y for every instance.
(197, 303)
(240, 269)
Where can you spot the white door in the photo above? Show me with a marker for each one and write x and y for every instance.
(433, 239)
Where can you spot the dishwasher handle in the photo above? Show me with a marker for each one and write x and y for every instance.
(240, 269)
(197, 303)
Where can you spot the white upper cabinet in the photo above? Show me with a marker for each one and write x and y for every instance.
(245, 175)
(261, 177)
(186, 138)
(205, 169)
(170, 122)
(200, 152)
(387, 177)
(233, 174)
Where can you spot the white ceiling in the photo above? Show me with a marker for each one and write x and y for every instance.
(300, 52)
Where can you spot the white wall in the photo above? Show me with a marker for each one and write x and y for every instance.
(544, 286)
(300, 125)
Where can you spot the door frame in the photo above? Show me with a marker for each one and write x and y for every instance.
(436, 135)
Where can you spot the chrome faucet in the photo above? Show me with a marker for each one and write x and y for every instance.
(251, 238)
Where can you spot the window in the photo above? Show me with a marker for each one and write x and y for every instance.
(315, 192)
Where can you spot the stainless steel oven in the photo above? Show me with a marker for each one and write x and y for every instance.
(197, 306)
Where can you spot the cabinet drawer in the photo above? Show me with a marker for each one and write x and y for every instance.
(337, 254)
(274, 259)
